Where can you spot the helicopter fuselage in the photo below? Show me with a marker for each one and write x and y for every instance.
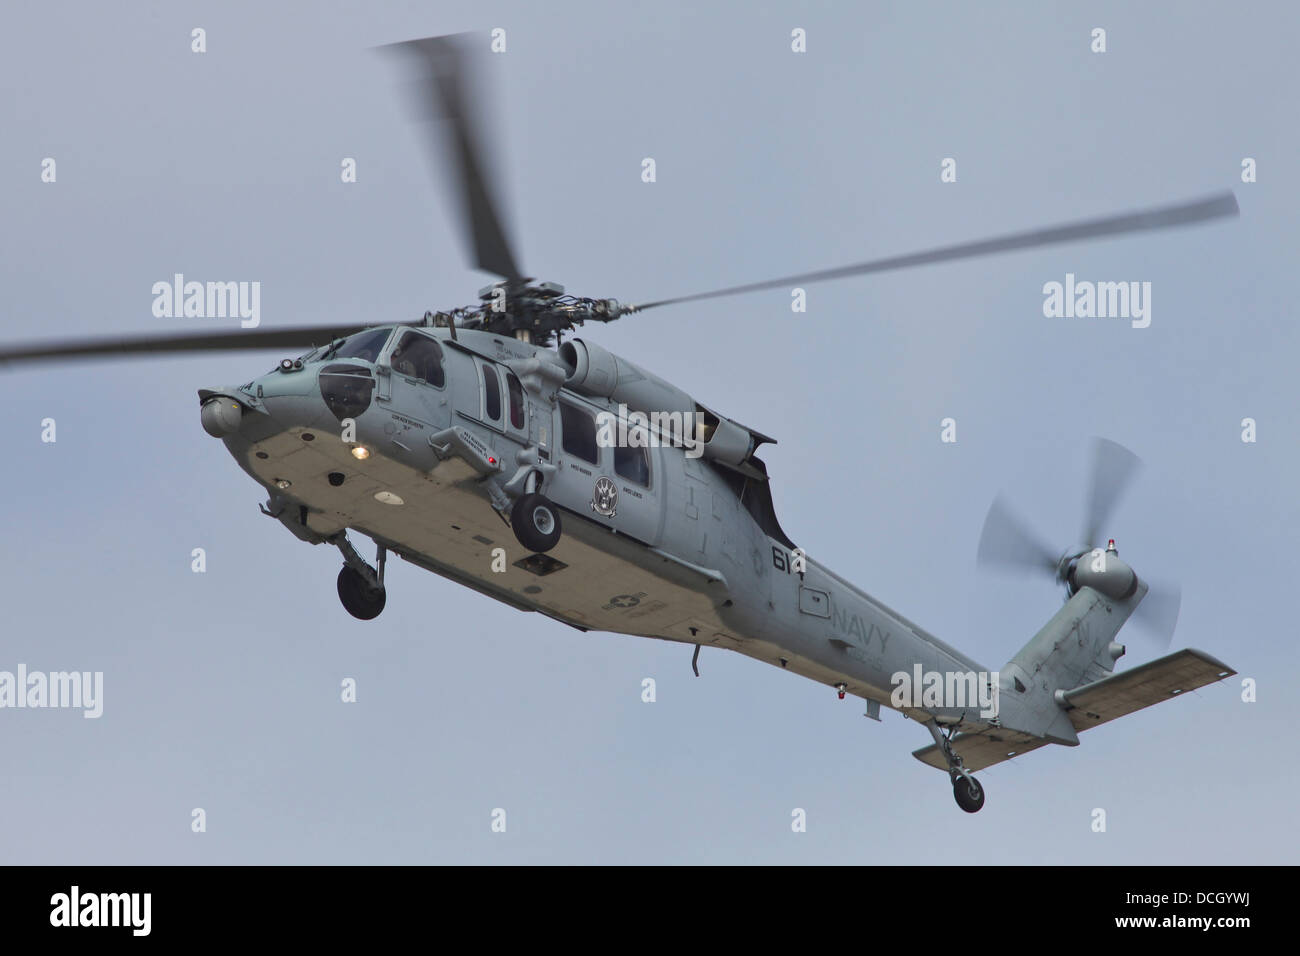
(422, 449)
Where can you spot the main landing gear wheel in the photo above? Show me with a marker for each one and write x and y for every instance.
(968, 793)
(358, 597)
(536, 522)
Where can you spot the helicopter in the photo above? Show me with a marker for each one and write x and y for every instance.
(558, 478)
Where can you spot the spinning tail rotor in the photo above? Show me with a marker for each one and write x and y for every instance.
(1007, 542)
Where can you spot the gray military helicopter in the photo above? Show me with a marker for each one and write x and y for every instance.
(638, 510)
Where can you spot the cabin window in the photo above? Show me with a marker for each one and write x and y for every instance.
(578, 436)
(491, 394)
(632, 464)
(516, 400)
(418, 356)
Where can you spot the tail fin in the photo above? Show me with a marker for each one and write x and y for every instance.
(1076, 647)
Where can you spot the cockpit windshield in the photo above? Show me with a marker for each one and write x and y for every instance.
(364, 345)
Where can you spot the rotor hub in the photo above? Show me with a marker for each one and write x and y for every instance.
(533, 312)
(1101, 570)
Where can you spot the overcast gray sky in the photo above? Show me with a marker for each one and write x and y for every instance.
(222, 688)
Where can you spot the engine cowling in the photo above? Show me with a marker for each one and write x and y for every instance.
(592, 370)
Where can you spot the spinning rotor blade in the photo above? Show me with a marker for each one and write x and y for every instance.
(1182, 214)
(1007, 542)
(444, 91)
(242, 341)
(1113, 469)
(1158, 612)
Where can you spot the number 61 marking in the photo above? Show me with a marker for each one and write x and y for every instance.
(794, 561)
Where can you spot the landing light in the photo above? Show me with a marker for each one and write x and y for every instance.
(388, 498)
(282, 483)
(360, 452)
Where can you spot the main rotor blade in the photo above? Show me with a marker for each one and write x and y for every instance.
(241, 341)
(1182, 214)
(1113, 468)
(1005, 541)
(444, 89)
(1158, 612)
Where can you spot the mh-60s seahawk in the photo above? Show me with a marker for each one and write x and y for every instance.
(426, 437)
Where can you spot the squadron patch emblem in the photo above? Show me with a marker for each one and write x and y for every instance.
(604, 498)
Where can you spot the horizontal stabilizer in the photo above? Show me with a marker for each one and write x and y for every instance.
(983, 748)
(1142, 686)
(1090, 705)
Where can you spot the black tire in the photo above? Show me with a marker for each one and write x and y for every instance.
(968, 793)
(359, 598)
(536, 522)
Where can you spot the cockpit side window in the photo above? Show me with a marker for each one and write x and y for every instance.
(418, 356)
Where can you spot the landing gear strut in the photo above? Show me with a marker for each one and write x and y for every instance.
(966, 790)
(360, 587)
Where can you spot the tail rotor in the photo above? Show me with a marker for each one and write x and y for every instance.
(1008, 543)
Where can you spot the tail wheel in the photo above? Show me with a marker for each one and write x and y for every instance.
(359, 598)
(536, 522)
(968, 793)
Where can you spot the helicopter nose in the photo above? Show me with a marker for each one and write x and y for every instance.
(287, 394)
(317, 396)
(221, 415)
(292, 396)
